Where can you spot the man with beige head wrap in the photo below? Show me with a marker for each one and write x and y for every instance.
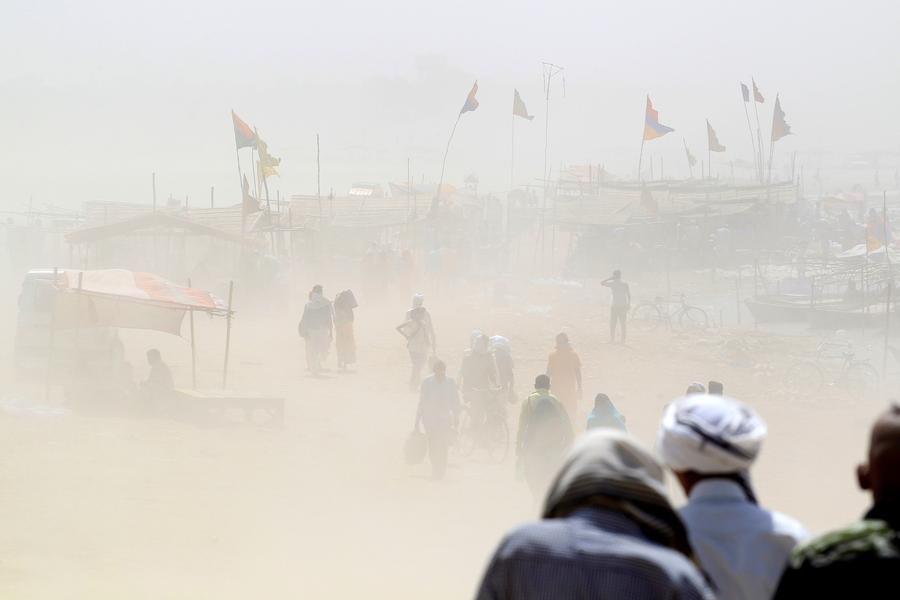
(710, 442)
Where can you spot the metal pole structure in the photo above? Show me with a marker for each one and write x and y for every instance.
(550, 70)
(752, 142)
(759, 143)
(227, 334)
(193, 347)
(212, 196)
(318, 178)
(512, 154)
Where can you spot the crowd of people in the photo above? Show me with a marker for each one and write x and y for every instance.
(609, 529)
(608, 526)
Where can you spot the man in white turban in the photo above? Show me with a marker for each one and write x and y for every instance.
(710, 442)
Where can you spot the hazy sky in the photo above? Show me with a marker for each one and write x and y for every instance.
(97, 95)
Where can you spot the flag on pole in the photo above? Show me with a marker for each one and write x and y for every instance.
(756, 95)
(244, 137)
(519, 109)
(690, 157)
(745, 92)
(471, 102)
(652, 127)
(780, 127)
(249, 204)
(713, 139)
(267, 163)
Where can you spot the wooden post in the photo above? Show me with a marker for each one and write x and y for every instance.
(52, 336)
(193, 348)
(77, 341)
(512, 154)
(227, 334)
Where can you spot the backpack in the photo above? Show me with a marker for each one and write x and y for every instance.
(548, 424)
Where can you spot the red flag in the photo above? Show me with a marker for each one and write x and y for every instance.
(652, 127)
(244, 136)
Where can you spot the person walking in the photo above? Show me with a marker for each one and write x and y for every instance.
(564, 370)
(621, 302)
(544, 435)
(862, 559)
(607, 531)
(344, 339)
(710, 443)
(317, 329)
(420, 339)
(605, 414)
(438, 413)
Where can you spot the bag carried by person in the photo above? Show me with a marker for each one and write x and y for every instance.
(415, 448)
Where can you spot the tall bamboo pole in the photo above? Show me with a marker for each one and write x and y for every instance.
(435, 202)
(52, 336)
(193, 347)
(228, 316)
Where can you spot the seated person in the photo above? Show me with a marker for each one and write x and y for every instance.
(159, 383)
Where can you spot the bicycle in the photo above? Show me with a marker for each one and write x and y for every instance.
(854, 374)
(483, 425)
(648, 316)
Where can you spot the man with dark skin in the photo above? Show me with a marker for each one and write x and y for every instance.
(862, 560)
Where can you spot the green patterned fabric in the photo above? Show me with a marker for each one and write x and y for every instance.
(866, 539)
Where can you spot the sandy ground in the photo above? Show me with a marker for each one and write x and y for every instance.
(94, 507)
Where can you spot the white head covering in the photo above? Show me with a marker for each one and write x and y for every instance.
(710, 434)
(418, 300)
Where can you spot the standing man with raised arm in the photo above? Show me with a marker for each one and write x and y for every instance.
(621, 302)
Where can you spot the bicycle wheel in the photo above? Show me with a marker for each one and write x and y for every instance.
(804, 378)
(646, 317)
(467, 438)
(861, 377)
(496, 441)
(693, 318)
